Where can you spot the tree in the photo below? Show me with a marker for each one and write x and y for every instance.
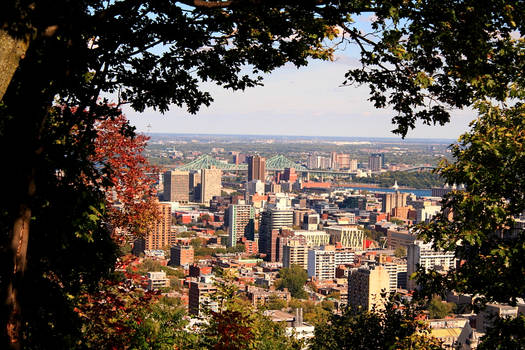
(422, 58)
(397, 327)
(275, 303)
(400, 252)
(293, 278)
(128, 178)
(143, 55)
(439, 309)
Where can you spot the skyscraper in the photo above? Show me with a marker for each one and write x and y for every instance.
(375, 161)
(176, 186)
(240, 223)
(211, 184)
(158, 236)
(256, 168)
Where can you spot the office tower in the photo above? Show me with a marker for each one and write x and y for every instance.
(194, 183)
(353, 165)
(272, 221)
(240, 223)
(176, 186)
(349, 236)
(392, 200)
(423, 255)
(295, 252)
(365, 286)
(210, 184)
(375, 161)
(290, 175)
(321, 263)
(181, 255)
(268, 244)
(158, 236)
(256, 168)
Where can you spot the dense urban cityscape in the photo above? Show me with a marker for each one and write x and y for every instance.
(261, 218)
(158, 193)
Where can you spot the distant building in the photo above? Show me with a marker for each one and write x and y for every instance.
(392, 200)
(158, 236)
(256, 168)
(397, 273)
(399, 238)
(375, 161)
(200, 296)
(157, 280)
(311, 222)
(289, 175)
(181, 255)
(240, 223)
(423, 255)
(321, 263)
(176, 186)
(295, 252)
(350, 236)
(211, 184)
(255, 186)
(314, 238)
(366, 286)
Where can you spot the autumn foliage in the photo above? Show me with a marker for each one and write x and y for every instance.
(129, 180)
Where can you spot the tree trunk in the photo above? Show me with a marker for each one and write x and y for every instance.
(18, 240)
(12, 50)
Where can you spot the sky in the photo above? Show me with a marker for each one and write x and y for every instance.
(306, 101)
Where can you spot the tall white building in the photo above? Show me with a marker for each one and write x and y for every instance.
(422, 254)
(211, 184)
(240, 222)
(321, 263)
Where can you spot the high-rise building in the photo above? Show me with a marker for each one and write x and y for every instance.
(290, 175)
(272, 221)
(195, 181)
(211, 184)
(422, 255)
(158, 236)
(268, 244)
(353, 165)
(366, 285)
(176, 186)
(375, 161)
(240, 223)
(321, 263)
(295, 252)
(181, 255)
(392, 200)
(256, 168)
(350, 236)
